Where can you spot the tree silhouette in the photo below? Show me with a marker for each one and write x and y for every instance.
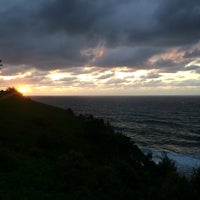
(11, 91)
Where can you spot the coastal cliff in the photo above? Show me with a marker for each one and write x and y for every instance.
(50, 153)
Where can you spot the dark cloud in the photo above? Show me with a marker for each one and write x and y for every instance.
(12, 71)
(125, 22)
(126, 56)
(193, 54)
(179, 21)
(53, 34)
(68, 80)
(168, 65)
(116, 81)
(49, 52)
(106, 76)
(192, 68)
(152, 76)
(115, 22)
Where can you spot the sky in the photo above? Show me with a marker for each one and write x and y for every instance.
(101, 47)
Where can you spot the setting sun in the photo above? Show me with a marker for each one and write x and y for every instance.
(23, 89)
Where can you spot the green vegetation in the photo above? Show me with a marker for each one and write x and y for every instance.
(50, 153)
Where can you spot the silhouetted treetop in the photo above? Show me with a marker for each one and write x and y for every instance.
(11, 91)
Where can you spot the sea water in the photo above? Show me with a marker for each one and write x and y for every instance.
(157, 124)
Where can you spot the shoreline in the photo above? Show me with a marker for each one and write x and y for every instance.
(185, 163)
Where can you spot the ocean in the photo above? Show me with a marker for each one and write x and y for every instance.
(157, 124)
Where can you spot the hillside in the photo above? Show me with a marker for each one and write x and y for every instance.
(50, 153)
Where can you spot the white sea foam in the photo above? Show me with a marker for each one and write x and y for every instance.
(185, 163)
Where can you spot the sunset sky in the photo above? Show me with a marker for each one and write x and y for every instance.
(100, 47)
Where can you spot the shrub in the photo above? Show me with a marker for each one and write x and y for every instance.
(8, 162)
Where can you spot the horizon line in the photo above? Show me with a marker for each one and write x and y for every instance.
(163, 95)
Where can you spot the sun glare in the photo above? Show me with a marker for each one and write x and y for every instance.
(23, 89)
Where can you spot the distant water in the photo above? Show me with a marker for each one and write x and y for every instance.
(156, 124)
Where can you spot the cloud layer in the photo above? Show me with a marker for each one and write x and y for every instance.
(137, 34)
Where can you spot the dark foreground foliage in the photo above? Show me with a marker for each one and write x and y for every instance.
(49, 153)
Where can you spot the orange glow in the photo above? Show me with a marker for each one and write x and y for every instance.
(173, 54)
(24, 89)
